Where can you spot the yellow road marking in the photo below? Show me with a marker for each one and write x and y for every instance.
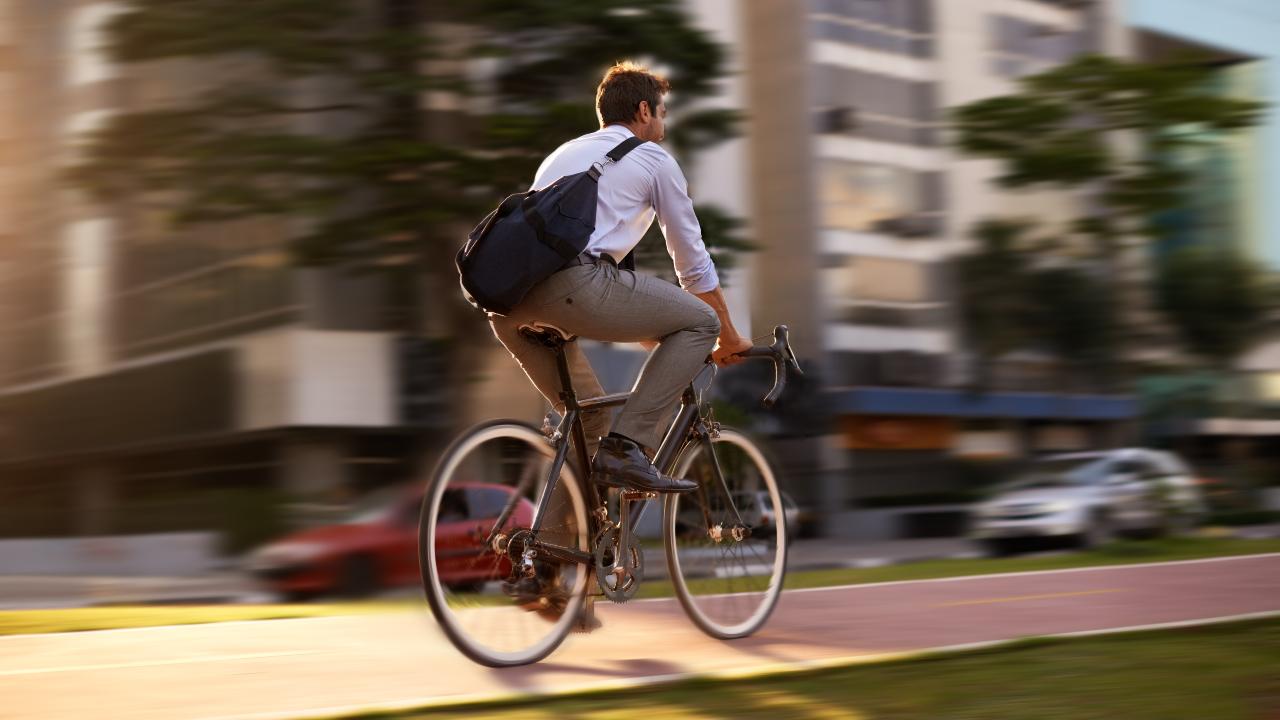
(1029, 597)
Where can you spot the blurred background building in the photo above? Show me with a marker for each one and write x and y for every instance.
(1218, 419)
(151, 378)
(851, 166)
(895, 205)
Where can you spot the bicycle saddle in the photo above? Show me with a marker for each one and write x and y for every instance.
(546, 331)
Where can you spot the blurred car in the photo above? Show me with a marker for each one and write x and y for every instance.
(376, 546)
(1090, 498)
(757, 511)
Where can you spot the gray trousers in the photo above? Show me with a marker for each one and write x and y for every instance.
(602, 302)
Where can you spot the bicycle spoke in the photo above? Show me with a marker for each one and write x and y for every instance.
(490, 610)
(729, 585)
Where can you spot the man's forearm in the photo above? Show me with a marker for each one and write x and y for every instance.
(715, 298)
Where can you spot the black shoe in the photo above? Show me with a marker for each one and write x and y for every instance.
(621, 463)
(540, 594)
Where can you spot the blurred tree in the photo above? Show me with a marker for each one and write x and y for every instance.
(1106, 126)
(1008, 303)
(994, 301)
(1103, 123)
(363, 165)
(328, 113)
(1216, 298)
(1073, 319)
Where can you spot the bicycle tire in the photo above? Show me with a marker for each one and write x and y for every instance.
(695, 604)
(435, 587)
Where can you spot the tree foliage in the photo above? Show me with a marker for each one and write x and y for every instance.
(1007, 302)
(311, 110)
(1104, 123)
(1217, 299)
(1108, 127)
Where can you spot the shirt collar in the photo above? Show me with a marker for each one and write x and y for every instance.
(626, 131)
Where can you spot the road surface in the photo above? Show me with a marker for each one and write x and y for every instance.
(307, 667)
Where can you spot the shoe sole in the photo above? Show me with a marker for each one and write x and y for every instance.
(606, 479)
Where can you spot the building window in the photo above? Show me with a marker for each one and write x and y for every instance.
(1020, 47)
(901, 27)
(885, 292)
(900, 15)
(862, 197)
(880, 107)
(885, 279)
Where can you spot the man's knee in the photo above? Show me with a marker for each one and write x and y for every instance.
(597, 422)
(710, 323)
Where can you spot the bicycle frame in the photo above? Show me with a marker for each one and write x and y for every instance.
(686, 420)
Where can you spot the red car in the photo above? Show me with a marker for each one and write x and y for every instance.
(377, 546)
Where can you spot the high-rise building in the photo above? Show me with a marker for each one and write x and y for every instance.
(860, 207)
(145, 369)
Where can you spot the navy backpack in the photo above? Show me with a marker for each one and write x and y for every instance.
(530, 236)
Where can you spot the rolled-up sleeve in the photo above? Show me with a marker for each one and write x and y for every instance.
(680, 227)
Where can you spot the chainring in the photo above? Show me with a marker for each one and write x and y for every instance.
(617, 589)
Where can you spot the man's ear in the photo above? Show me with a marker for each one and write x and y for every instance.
(643, 112)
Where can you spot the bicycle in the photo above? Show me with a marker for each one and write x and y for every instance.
(504, 508)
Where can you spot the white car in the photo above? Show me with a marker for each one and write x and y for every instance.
(757, 510)
(1090, 498)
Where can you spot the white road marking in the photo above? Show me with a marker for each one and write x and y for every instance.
(1091, 568)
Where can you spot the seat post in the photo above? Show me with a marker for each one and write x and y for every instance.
(567, 393)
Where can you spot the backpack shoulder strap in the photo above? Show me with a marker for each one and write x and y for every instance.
(624, 147)
(618, 152)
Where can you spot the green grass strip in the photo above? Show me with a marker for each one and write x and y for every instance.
(1225, 671)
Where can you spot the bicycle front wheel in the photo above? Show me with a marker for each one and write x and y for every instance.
(728, 582)
(475, 525)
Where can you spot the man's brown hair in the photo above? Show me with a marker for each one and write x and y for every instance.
(623, 87)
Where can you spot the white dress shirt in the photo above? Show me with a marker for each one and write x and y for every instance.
(646, 182)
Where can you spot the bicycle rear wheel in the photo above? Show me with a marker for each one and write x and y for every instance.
(728, 586)
(466, 559)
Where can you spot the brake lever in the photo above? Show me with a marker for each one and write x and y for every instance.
(782, 345)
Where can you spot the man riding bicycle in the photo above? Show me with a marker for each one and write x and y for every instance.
(592, 297)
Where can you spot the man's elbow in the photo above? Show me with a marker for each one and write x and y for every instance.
(701, 282)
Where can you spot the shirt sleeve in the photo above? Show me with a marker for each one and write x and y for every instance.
(680, 227)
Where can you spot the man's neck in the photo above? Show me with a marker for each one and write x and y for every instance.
(633, 130)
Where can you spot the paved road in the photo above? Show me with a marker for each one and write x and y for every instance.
(296, 668)
(50, 591)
